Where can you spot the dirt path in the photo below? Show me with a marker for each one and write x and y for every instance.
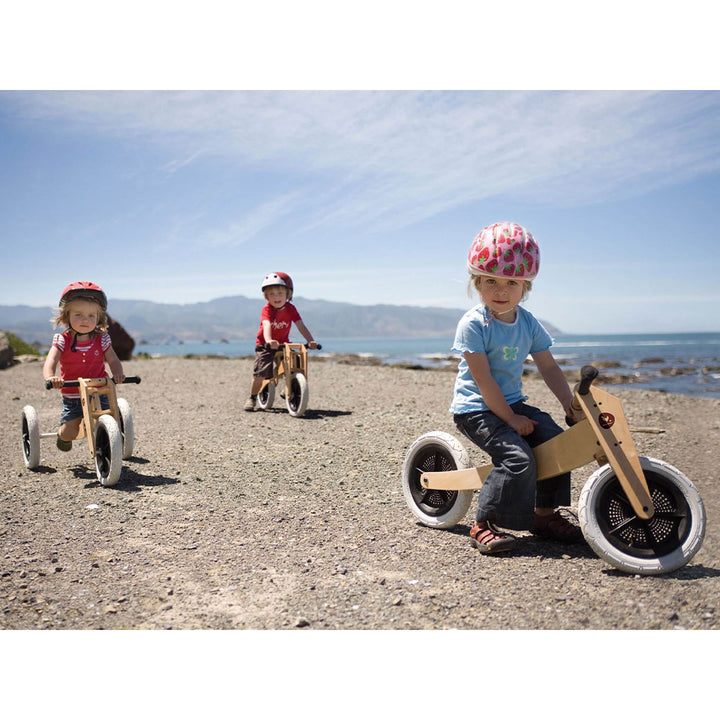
(227, 520)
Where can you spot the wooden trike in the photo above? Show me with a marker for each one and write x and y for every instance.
(290, 364)
(639, 514)
(110, 433)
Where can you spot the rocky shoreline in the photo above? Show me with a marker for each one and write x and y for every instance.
(231, 520)
(613, 372)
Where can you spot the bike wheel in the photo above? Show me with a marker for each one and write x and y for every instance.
(435, 452)
(30, 437)
(296, 397)
(127, 428)
(659, 545)
(266, 397)
(108, 450)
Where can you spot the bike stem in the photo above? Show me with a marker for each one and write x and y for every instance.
(608, 421)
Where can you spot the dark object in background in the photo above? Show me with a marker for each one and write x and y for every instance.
(123, 344)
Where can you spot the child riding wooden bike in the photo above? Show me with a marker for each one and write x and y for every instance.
(641, 515)
(90, 406)
(275, 355)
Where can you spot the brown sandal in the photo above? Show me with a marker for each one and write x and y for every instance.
(556, 527)
(488, 539)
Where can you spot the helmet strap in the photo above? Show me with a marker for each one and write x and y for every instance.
(73, 347)
(492, 315)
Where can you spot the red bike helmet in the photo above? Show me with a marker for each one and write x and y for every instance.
(279, 278)
(84, 289)
(504, 249)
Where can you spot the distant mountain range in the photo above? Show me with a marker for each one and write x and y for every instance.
(238, 318)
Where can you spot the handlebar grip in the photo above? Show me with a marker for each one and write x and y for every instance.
(587, 374)
(281, 346)
(76, 383)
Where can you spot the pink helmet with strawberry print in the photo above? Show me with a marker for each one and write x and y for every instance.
(504, 249)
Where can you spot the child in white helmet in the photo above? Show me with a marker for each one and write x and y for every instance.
(276, 320)
(488, 404)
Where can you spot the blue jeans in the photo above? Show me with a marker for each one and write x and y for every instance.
(72, 408)
(510, 493)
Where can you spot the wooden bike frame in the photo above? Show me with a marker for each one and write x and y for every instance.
(290, 359)
(91, 390)
(602, 435)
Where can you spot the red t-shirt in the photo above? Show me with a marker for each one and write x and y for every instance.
(280, 322)
(88, 360)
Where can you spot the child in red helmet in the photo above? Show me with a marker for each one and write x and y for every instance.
(82, 351)
(489, 406)
(276, 319)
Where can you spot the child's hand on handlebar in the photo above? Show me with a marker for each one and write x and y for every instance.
(273, 344)
(522, 425)
(119, 378)
(55, 381)
(312, 345)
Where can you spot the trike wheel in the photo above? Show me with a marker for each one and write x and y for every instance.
(659, 545)
(296, 398)
(30, 437)
(266, 397)
(435, 452)
(127, 428)
(108, 450)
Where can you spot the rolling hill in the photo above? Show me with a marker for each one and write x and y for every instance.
(237, 318)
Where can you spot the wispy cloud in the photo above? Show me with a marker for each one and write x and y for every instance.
(246, 228)
(391, 158)
(178, 164)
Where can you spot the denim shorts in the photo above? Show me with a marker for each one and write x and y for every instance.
(72, 408)
(511, 492)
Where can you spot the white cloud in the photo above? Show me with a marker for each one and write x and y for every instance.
(261, 217)
(385, 159)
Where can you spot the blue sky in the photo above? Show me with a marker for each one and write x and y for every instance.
(365, 196)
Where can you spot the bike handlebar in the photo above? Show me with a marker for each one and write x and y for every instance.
(587, 374)
(76, 383)
(282, 345)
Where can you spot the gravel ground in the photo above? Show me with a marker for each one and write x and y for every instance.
(231, 520)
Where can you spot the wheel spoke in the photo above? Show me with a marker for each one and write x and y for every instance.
(671, 515)
(657, 544)
(621, 526)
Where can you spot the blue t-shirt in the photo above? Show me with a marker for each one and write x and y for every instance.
(506, 345)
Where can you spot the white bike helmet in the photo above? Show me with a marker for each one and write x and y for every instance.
(278, 278)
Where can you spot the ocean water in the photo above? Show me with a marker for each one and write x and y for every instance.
(684, 363)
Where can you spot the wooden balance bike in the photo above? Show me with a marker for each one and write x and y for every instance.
(639, 514)
(291, 365)
(110, 433)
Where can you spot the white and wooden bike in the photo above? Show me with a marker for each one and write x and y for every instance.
(290, 365)
(110, 433)
(640, 514)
